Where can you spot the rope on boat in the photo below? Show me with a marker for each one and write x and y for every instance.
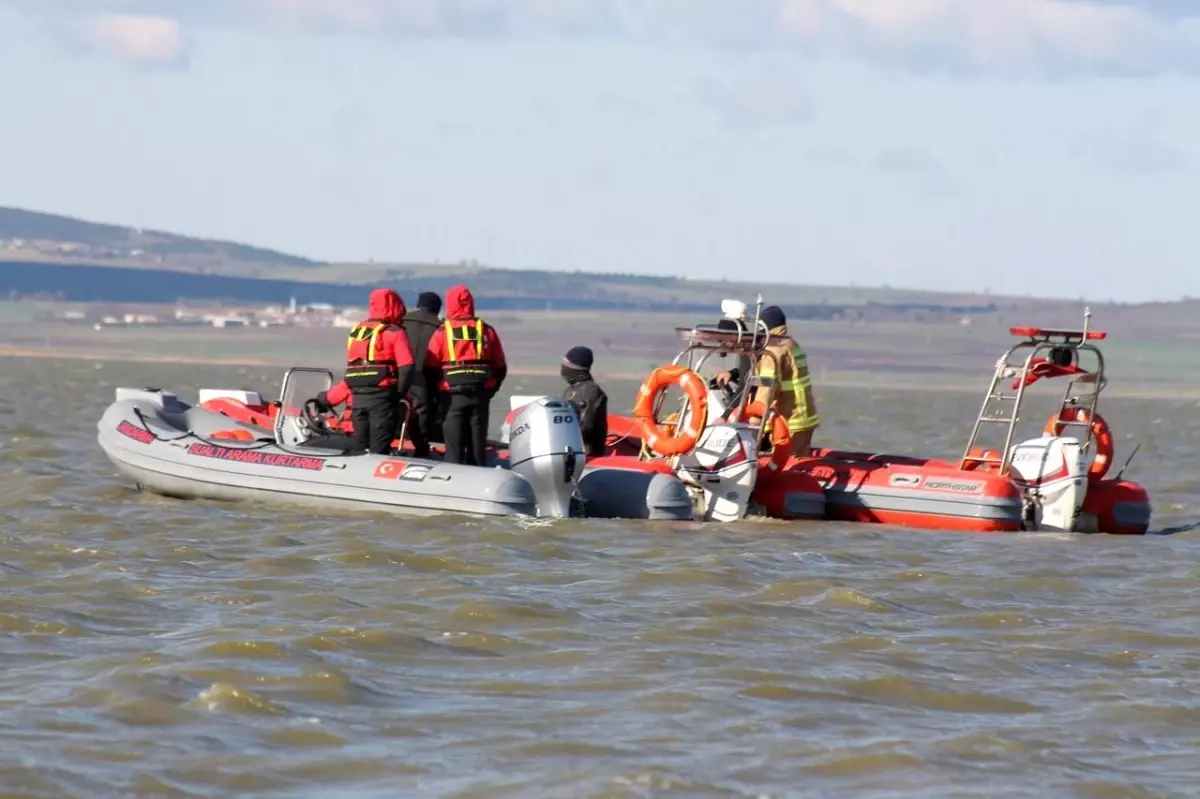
(261, 443)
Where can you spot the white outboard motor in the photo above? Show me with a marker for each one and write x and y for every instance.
(545, 446)
(721, 471)
(1053, 472)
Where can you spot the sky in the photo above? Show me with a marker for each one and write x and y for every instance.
(1045, 147)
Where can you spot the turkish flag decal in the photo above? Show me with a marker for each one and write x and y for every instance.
(390, 470)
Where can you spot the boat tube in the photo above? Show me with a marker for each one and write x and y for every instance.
(1057, 481)
(234, 446)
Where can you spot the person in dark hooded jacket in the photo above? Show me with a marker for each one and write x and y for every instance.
(465, 360)
(379, 370)
(588, 399)
(420, 325)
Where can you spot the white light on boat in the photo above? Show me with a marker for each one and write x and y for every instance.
(734, 309)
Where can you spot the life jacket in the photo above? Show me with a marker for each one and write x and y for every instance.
(364, 366)
(466, 366)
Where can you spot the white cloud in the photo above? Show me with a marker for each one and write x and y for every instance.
(139, 40)
(919, 163)
(1135, 150)
(467, 18)
(978, 35)
(772, 99)
(1002, 35)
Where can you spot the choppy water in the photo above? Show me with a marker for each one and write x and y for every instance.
(153, 647)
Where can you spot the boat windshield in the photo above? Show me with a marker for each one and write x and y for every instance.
(301, 384)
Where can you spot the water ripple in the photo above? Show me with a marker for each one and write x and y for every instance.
(155, 647)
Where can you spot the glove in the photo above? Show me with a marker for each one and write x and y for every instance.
(322, 401)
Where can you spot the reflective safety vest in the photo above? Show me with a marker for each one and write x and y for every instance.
(364, 369)
(794, 394)
(465, 366)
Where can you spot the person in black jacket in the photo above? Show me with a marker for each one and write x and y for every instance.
(588, 399)
(425, 425)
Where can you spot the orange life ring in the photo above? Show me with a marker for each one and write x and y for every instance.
(1100, 431)
(234, 434)
(781, 437)
(660, 440)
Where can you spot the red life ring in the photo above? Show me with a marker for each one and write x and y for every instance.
(660, 440)
(781, 437)
(1100, 431)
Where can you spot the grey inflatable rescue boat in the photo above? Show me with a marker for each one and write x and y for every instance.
(173, 448)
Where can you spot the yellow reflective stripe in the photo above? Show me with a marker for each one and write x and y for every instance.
(449, 328)
(450, 339)
(800, 418)
(374, 342)
(363, 333)
(796, 424)
(357, 333)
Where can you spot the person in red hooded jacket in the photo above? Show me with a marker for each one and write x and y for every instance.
(465, 360)
(379, 371)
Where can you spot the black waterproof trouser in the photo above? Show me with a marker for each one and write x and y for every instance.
(422, 422)
(465, 429)
(374, 416)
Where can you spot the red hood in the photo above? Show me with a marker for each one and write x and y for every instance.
(386, 306)
(459, 303)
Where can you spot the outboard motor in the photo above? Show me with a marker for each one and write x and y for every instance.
(721, 471)
(545, 446)
(1052, 470)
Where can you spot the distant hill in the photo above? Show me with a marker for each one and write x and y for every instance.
(35, 234)
(56, 256)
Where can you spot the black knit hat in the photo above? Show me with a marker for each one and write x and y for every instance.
(773, 317)
(429, 301)
(579, 358)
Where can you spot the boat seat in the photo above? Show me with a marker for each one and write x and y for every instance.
(337, 443)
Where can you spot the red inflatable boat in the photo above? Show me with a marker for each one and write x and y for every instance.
(1057, 481)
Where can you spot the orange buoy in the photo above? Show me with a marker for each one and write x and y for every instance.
(978, 452)
(660, 440)
(1100, 431)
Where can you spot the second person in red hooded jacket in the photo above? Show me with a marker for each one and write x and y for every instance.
(465, 360)
(379, 370)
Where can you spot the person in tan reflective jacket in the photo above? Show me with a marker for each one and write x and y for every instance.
(794, 398)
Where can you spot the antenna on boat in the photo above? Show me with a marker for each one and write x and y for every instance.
(1087, 318)
(758, 307)
(1127, 462)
